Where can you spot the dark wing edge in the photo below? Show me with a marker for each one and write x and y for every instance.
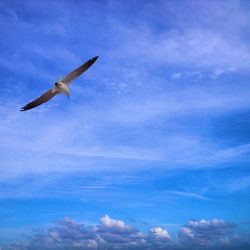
(71, 76)
(40, 100)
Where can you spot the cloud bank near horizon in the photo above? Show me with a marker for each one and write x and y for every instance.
(116, 234)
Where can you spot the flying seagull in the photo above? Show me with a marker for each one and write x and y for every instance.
(61, 86)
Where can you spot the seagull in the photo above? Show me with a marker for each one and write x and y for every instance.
(61, 86)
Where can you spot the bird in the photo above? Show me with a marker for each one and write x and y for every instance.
(61, 86)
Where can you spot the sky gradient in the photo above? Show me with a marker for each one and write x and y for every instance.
(152, 149)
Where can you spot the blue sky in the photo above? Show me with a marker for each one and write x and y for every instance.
(155, 139)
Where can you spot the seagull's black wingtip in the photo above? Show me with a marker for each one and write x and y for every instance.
(95, 58)
(23, 109)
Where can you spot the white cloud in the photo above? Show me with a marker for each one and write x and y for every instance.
(106, 221)
(206, 233)
(159, 232)
(69, 234)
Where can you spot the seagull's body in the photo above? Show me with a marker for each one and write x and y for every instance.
(61, 86)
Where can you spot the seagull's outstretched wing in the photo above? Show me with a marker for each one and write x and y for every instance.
(71, 76)
(40, 100)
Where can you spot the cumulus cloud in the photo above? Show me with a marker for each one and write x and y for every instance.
(116, 234)
(206, 233)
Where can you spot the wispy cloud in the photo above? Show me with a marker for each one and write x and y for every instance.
(239, 184)
(188, 195)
